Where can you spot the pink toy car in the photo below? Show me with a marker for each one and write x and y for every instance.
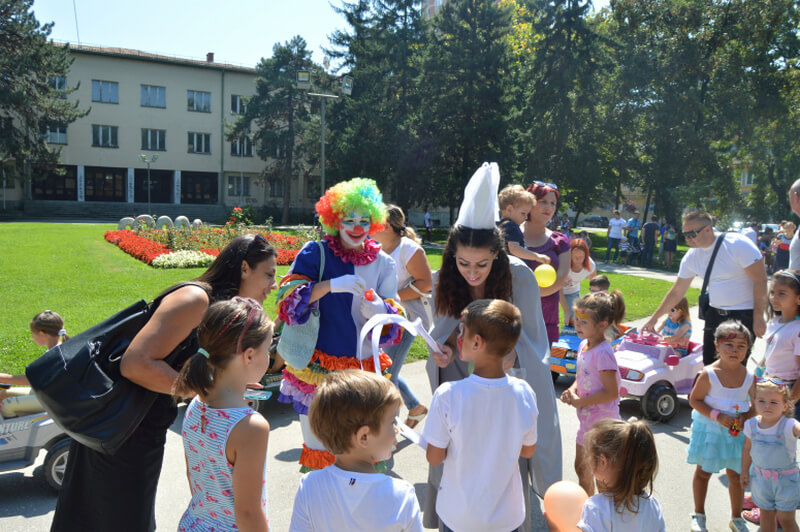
(655, 374)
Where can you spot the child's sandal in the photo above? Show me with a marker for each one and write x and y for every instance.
(413, 421)
(748, 503)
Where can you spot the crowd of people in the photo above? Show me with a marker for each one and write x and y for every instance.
(492, 325)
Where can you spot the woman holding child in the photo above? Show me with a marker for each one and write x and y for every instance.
(476, 266)
(540, 239)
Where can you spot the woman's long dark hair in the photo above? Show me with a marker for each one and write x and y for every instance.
(223, 277)
(452, 290)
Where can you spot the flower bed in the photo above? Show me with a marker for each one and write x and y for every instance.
(196, 248)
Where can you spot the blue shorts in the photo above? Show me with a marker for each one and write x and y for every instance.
(782, 495)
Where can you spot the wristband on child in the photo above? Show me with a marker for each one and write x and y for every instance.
(714, 414)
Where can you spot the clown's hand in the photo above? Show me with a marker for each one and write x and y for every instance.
(352, 284)
(371, 308)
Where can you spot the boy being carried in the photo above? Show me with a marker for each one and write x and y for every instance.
(515, 205)
(353, 414)
(482, 425)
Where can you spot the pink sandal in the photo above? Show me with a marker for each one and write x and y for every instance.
(748, 503)
(754, 516)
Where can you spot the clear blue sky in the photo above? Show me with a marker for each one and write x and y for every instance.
(237, 31)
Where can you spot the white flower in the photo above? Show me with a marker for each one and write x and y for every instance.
(183, 259)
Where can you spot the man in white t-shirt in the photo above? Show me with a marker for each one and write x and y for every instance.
(751, 232)
(738, 284)
(794, 246)
(615, 227)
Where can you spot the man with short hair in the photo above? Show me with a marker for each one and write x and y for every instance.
(649, 231)
(614, 235)
(794, 246)
(738, 284)
(632, 229)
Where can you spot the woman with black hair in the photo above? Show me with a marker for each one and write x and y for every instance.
(475, 266)
(102, 492)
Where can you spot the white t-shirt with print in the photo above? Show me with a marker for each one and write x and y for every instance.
(788, 436)
(573, 282)
(483, 424)
(615, 227)
(599, 515)
(729, 287)
(332, 500)
(783, 348)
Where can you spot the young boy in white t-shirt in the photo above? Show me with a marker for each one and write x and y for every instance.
(353, 414)
(481, 425)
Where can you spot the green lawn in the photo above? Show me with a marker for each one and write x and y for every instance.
(71, 269)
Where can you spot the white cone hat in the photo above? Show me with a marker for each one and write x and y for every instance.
(479, 210)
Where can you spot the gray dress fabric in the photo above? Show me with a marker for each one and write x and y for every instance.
(533, 351)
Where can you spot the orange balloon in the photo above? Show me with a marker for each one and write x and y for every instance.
(563, 504)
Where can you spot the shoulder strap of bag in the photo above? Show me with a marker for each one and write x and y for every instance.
(720, 238)
(157, 301)
(321, 259)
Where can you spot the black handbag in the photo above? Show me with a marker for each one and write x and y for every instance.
(704, 300)
(80, 385)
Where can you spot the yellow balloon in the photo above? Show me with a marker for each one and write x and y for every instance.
(545, 275)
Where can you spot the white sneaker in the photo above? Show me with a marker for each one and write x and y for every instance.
(698, 523)
(738, 524)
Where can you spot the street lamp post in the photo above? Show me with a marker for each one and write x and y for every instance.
(147, 160)
(304, 82)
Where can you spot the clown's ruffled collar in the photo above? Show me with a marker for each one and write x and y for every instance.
(356, 257)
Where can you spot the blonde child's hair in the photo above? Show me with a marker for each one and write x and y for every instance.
(602, 306)
(789, 278)
(498, 322)
(731, 328)
(229, 327)
(513, 195)
(346, 401)
(631, 448)
(50, 323)
(683, 307)
(766, 384)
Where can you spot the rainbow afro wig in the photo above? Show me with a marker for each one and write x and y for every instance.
(358, 194)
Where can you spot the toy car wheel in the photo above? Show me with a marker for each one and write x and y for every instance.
(55, 463)
(660, 403)
(555, 375)
(253, 403)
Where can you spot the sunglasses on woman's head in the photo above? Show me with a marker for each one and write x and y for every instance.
(543, 184)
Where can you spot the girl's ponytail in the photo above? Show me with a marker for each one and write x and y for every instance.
(50, 323)
(638, 461)
(62, 336)
(196, 376)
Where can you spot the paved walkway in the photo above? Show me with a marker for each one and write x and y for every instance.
(27, 503)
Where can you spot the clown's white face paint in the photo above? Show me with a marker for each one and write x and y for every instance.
(354, 229)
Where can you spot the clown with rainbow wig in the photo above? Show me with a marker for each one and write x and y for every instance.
(349, 213)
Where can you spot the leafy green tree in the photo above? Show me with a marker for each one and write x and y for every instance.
(371, 130)
(31, 98)
(279, 115)
(462, 121)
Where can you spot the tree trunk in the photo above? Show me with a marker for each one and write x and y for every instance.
(647, 205)
(619, 193)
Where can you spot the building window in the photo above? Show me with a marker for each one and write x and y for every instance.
(242, 147)
(198, 101)
(199, 187)
(154, 96)
(747, 178)
(104, 136)
(57, 186)
(104, 184)
(276, 188)
(238, 107)
(154, 139)
(105, 91)
(199, 143)
(234, 188)
(56, 134)
(58, 83)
